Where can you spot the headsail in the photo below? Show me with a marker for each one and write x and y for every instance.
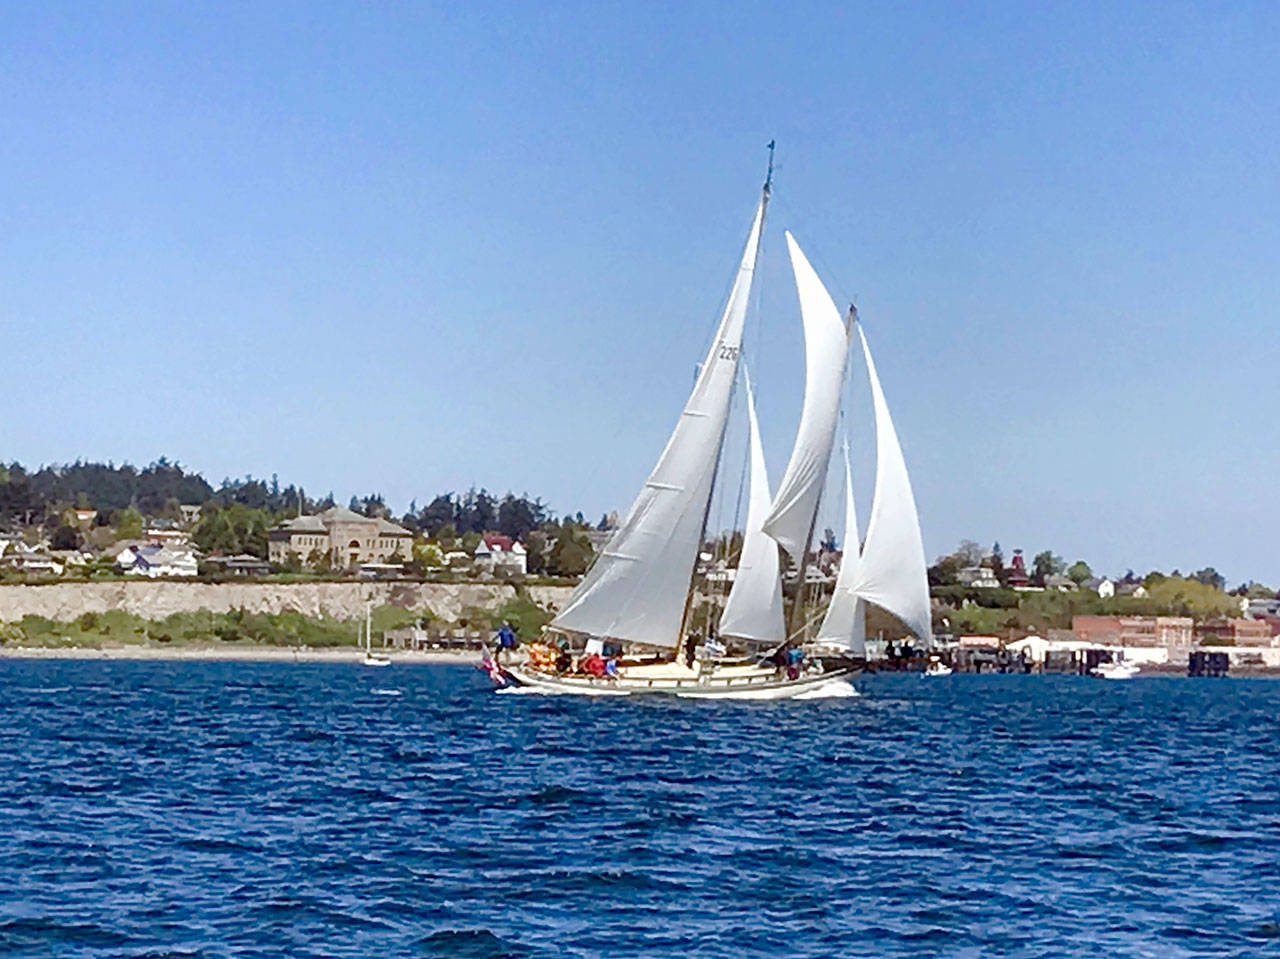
(637, 589)
(826, 348)
(754, 608)
(892, 571)
(845, 623)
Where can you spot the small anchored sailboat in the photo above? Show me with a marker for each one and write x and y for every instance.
(631, 619)
(370, 657)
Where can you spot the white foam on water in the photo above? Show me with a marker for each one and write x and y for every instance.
(831, 689)
(527, 691)
(548, 691)
(386, 692)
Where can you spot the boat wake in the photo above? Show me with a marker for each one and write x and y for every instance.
(831, 689)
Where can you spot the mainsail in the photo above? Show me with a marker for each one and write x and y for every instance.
(826, 347)
(892, 572)
(753, 610)
(845, 623)
(638, 587)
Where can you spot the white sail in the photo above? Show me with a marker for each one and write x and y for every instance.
(638, 587)
(845, 623)
(754, 608)
(826, 348)
(892, 573)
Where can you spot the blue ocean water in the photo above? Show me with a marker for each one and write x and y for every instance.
(189, 809)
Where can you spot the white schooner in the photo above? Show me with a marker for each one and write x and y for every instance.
(628, 627)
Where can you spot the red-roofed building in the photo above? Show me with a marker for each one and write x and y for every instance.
(500, 554)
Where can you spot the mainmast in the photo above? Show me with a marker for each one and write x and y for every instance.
(765, 192)
(632, 591)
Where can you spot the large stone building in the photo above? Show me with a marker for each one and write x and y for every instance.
(345, 537)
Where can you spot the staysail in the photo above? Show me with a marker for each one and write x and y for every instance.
(753, 610)
(845, 623)
(637, 588)
(826, 347)
(892, 573)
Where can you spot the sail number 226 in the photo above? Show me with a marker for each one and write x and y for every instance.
(728, 352)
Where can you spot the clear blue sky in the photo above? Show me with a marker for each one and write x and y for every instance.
(411, 248)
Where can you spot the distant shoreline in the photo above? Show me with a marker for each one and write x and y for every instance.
(234, 654)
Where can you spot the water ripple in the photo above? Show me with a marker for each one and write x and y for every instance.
(211, 810)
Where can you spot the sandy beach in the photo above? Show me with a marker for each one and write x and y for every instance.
(232, 653)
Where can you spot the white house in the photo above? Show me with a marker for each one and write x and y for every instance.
(31, 560)
(1102, 586)
(500, 554)
(155, 562)
(978, 577)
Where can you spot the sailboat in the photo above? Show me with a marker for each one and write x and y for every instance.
(631, 620)
(370, 657)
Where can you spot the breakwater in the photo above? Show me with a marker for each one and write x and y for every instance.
(63, 602)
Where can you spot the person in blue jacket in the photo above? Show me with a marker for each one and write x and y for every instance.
(506, 638)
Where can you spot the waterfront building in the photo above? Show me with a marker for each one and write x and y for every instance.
(1235, 632)
(1165, 632)
(342, 535)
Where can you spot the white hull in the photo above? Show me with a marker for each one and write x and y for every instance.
(936, 670)
(372, 659)
(1115, 671)
(758, 685)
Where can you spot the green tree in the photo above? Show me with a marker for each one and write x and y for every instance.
(233, 529)
(1045, 564)
(1176, 596)
(65, 537)
(1210, 577)
(428, 556)
(129, 523)
(945, 572)
(570, 555)
(536, 550)
(1080, 572)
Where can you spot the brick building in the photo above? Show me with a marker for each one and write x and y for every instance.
(1167, 632)
(1238, 632)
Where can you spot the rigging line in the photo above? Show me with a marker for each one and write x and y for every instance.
(814, 252)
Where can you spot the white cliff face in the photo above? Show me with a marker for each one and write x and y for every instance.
(63, 602)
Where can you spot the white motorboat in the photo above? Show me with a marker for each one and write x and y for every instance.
(936, 667)
(1117, 670)
(637, 599)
